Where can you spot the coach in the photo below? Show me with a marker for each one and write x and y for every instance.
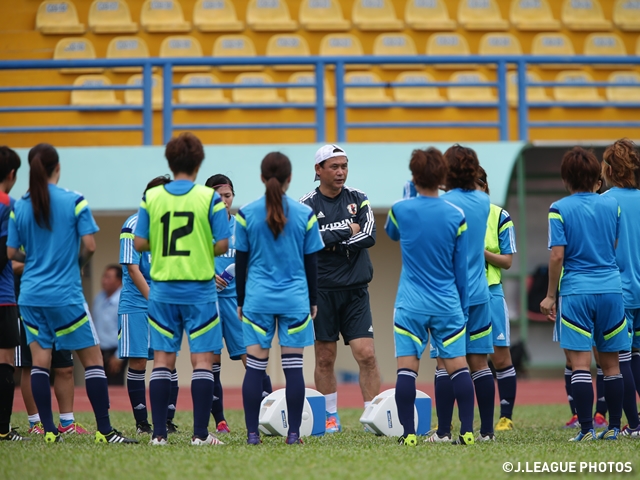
(348, 229)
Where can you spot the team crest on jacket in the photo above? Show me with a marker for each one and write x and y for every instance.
(352, 208)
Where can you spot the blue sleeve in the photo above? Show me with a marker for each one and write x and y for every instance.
(142, 227)
(86, 223)
(557, 236)
(219, 219)
(128, 254)
(391, 226)
(242, 242)
(409, 190)
(461, 266)
(617, 224)
(312, 238)
(4, 221)
(506, 234)
(13, 238)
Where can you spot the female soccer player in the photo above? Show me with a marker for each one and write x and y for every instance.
(432, 295)
(51, 223)
(590, 305)
(276, 243)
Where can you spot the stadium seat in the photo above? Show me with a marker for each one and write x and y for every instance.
(308, 95)
(551, 44)
(163, 16)
(626, 15)
(375, 15)
(499, 44)
(605, 45)
(255, 95)
(428, 15)
(571, 94)
(323, 16)
(183, 46)
(421, 93)
(390, 44)
(93, 97)
(448, 44)
(342, 44)
(534, 94)
(533, 15)
(470, 94)
(201, 95)
(134, 97)
(270, 16)
(127, 47)
(111, 17)
(364, 94)
(288, 46)
(623, 94)
(584, 15)
(58, 17)
(76, 49)
(481, 15)
(216, 16)
(235, 46)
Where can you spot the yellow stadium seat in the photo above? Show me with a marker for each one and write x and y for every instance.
(576, 94)
(134, 97)
(481, 15)
(127, 47)
(534, 94)
(605, 45)
(499, 44)
(308, 95)
(183, 46)
(584, 15)
(322, 16)
(624, 94)
(364, 94)
(420, 93)
(112, 16)
(216, 16)
(58, 17)
(201, 95)
(254, 95)
(375, 15)
(470, 94)
(93, 97)
(626, 15)
(428, 15)
(287, 45)
(389, 44)
(235, 46)
(163, 16)
(340, 45)
(447, 45)
(551, 44)
(75, 49)
(533, 15)
(270, 16)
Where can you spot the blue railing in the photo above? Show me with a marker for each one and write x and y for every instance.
(342, 125)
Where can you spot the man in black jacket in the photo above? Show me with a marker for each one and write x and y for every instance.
(348, 229)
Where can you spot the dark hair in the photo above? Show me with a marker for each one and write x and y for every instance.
(624, 161)
(9, 160)
(115, 267)
(580, 170)
(428, 168)
(276, 169)
(215, 181)
(463, 167)
(482, 179)
(156, 182)
(43, 159)
(184, 153)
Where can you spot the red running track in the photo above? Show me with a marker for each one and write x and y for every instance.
(530, 392)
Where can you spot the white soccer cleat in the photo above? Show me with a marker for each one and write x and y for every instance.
(158, 441)
(210, 440)
(435, 438)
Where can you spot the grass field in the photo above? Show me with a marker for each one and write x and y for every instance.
(352, 454)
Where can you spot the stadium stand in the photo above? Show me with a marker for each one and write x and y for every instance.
(216, 16)
(626, 15)
(364, 94)
(308, 95)
(534, 94)
(448, 44)
(576, 95)
(254, 95)
(163, 16)
(584, 15)
(470, 94)
(288, 46)
(182, 46)
(552, 44)
(93, 97)
(375, 15)
(391, 44)
(323, 16)
(111, 16)
(626, 94)
(421, 93)
(201, 95)
(605, 45)
(235, 46)
(127, 47)
(533, 15)
(340, 45)
(55, 17)
(481, 15)
(75, 49)
(134, 97)
(499, 44)
(270, 16)
(428, 15)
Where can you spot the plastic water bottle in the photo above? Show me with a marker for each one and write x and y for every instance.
(228, 275)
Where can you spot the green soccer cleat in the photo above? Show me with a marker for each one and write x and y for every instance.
(51, 437)
(410, 440)
(465, 439)
(113, 437)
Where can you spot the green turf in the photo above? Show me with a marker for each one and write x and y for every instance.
(352, 454)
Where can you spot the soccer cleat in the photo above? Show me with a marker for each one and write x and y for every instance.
(628, 432)
(465, 439)
(75, 427)
(13, 436)
(113, 437)
(573, 423)
(410, 440)
(504, 424)
(222, 427)
(210, 440)
(584, 437)
(293, 439)
(51, 437)
(489, 437)
(599, 421)
(143, 428)
(158, 441)
(253, 439)
(333, 423)
(609, 434)
(37, 429)
(171, 427)
(435, 438)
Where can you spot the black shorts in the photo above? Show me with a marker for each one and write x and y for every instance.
(343, 312)
(59, 358)
(9, 327)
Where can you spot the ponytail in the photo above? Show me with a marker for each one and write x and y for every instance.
(276, 170)
(43, 159)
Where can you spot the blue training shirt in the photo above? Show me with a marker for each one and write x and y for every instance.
(7, 287)
(180, 291)
(587, 225)
(131, 300)
(475, 205)
(276, 278)
(228, 258)
(433, 240)
(51, 275)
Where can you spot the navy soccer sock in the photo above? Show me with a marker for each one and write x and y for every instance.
(41, 390)
(601, 402)
(406, 398)
(252, 391)
(201, 394)
(217, 408)
(582, 392)
(137, 394)
(267, 389)
(635, 368)
(485, 394)
(98, 393)
(173, 399)
(7, 390)
(506, 390)
(568, 373)
(463, 391)
(294, 392)
(159, 394)
(629, 404)
(614, 394)
(445, 398)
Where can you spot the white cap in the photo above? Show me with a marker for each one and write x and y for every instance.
(326, 152)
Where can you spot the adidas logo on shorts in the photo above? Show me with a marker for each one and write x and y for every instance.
(371, 329)
(500, 337)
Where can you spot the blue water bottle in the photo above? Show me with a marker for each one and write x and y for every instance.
(228, 275)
